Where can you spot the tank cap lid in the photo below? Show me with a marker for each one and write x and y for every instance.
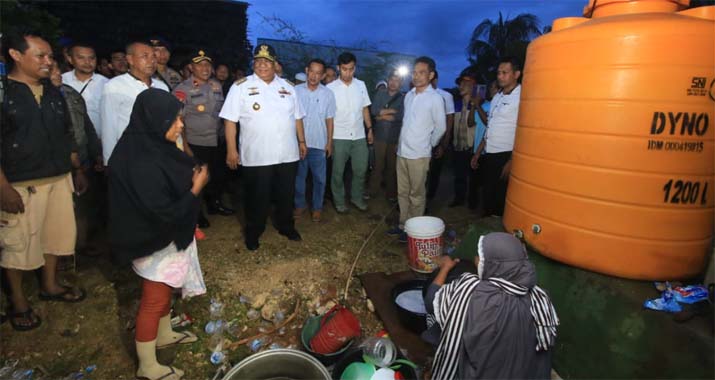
(600, 8)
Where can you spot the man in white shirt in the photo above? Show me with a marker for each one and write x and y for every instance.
(352, 116)
(435, 167)
(498, 142)
(85, 81)
(271, 143)
(423, 125)
(120, 93)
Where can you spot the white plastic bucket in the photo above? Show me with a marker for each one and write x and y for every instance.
(424, 242)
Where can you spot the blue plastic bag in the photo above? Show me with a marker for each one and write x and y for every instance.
(690, 294)
(666, 302)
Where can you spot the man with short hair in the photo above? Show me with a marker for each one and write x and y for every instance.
(352, 117)
(118, 62)
(435, 168)
(120, 93)
(423, 126)
(498, 141)
(89, 151)
(387, 109)
(319, 105)
(463, 133)
(203, 98)
(271, 118)
(37, 156)
(85, 81)
(330, 75)
(222, 73)
(169, 76)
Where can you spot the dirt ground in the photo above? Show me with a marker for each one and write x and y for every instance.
(99, 330)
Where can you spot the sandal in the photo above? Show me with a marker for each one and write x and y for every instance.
(186, 338)
(172, 372)
(67, 295)
(28, 315)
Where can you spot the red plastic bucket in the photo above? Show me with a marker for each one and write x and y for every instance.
(424, 242)
(337, 327)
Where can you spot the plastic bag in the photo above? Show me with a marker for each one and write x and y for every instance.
(666, 302)
(690, 294)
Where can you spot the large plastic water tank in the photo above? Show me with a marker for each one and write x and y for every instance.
(613, 162)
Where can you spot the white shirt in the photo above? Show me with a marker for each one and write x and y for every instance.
(116, 106)
(267, 113)
(350, 101)
(92, 94)
(423, 125)
(448, 101)
(501, 126)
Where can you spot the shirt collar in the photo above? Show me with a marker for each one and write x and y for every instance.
(428, 89)
(516, 90)
(74, 75)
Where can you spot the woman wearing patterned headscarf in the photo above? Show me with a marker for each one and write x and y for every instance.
(497, 324)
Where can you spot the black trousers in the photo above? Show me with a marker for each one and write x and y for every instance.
(263, 184)
(462, 169)
(433, 175)
(211, 156)
(491, 165)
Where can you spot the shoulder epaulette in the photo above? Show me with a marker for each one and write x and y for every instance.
(289, 82)
(239, 81)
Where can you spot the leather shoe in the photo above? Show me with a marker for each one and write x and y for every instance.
(217, 207)
(292, 235)
(252, 244)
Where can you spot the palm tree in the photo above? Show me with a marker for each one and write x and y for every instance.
(493, 39)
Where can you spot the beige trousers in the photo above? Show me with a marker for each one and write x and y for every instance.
(411, 190)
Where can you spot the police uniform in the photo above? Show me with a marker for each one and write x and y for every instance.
(202, 125)
(268, 148)
(170, 77)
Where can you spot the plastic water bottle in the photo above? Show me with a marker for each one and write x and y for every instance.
(215, 309)
(256, 344)
(216, 327)
(22, 374)
(379, 351)
(8, 368)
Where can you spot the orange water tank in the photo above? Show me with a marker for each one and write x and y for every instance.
(613, 162)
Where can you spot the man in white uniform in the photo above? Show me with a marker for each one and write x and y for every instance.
(271, 143)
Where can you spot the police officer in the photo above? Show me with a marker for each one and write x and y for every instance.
(162, 50)
(203, 98)
(271, 142)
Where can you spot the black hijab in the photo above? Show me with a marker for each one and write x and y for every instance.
(150, 179)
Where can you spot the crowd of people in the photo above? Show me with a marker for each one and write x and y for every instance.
(151, 142)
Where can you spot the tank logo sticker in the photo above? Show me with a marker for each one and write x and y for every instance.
(697, 86)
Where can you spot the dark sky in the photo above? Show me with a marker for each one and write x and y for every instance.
(440, 29)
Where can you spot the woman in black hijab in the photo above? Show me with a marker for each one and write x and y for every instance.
(153, 188)
(495, 325)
